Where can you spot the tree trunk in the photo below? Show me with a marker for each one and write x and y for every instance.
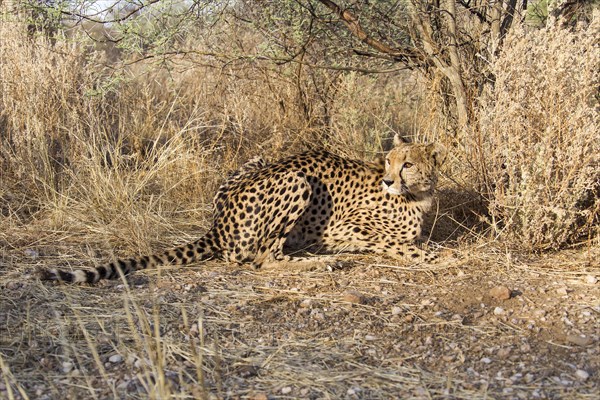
(449, 66)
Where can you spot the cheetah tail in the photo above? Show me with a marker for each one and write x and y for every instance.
(201, 249)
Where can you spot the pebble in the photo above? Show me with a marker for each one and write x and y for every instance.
(396, 310)
(529, 377)
(561, 291)
(258, 396)
(370, 338)
(504, 352)
(67, 367)
(286, 390)
(306, 303)
(352, 296)
(115, 359)
(353, 391)
(31, 253)
(13, 285)
(500, 292)
(579, 340)
(426, 302)
(316, 314)
(591, 279)
(582, 375)
(123, 385)
(486, 360)
(498, 311)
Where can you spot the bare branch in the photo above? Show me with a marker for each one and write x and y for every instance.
(351, 22)
(126, 16)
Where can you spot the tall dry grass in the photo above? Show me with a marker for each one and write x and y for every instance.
(130, 155)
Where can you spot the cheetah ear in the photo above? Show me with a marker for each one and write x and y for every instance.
(438, 153)
(399, 140)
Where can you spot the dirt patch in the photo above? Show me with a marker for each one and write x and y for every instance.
(293, 331)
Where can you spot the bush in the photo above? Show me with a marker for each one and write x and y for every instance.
(542, 128)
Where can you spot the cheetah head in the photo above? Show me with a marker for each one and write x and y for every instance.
(411, 168)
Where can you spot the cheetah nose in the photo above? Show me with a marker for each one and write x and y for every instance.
(388, 182)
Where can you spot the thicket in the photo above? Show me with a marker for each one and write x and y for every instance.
(127, 139)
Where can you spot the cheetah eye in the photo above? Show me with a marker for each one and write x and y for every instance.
(407, 165)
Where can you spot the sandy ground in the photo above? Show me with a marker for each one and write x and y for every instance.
(485, 325)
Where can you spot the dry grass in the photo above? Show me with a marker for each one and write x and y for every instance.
(98, 162)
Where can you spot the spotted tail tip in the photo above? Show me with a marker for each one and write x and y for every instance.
(53, 274)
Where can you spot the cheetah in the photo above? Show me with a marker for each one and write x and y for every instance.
(315, 200)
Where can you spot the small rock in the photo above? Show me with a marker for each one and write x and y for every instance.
(122, 386)
(31, 253)
(504, 352)
(396, 310)
(67, 366)
(582, 375)
(498, 311)
(248, 371)
(370, 338)
(352, 296)
(13, 285)
(409, 318)
(539, 313)
(486, 360)
(353, 391)
(500, 293)
(258, 396)
(130, 359)
(316, 314)
(115, 359)
(561, 291)
(579, 340)
(306, 303)
(286, 390)
(591, 279)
